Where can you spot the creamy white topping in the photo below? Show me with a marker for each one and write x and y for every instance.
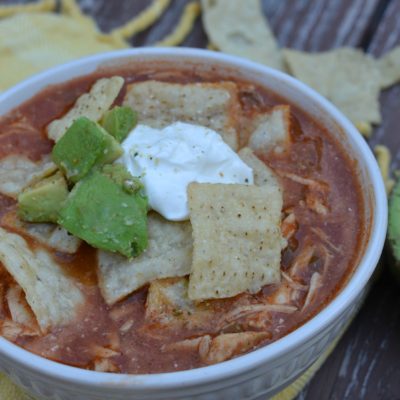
(168, 159)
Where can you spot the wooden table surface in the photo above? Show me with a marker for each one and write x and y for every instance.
(366, 363)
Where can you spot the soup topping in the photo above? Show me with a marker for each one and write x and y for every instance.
(168, 159)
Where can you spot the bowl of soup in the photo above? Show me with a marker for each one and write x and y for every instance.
(178, 223)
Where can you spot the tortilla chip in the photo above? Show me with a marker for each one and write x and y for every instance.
(348, 77)
(263, 175)
(383, 157)
(18, 172)
(39, 6)
(237, 239)
(168, 304)
(389, 66)
(184, 27)
(53, 236)
(19, 308)
(144, 20)
(238, 27)
(53, 296)
(91, 105)
(169, 254)
(365, 128)
(53, 39)
(271, 130)
(214, 105)
(228, 345)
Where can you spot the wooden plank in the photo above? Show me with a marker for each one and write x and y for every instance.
(367, 358)
(110, 14)
(316, 25)
(365, 365)
(388, 36)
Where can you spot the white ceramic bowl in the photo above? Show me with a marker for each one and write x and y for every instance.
(263, 372)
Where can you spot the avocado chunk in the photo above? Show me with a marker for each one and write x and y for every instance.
(102, 213)
(394, 228)
(119, 121)
(84, 145)
(42, 201)
(120, 175)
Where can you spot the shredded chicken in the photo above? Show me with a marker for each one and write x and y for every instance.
(105, 365)
(222, 347)
(315, 284)
(289, 226)
(127, 326)
(12, 330)
(311, 183)
(323, 236)
(115, 343)
(293, 284)
(315, 203)
(186, 345)
(228, 345)
(104, 352)
(303, 259)
(246, 311)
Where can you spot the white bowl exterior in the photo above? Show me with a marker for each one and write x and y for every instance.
(263, 372)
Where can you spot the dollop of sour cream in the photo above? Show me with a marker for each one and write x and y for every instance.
(168, 159)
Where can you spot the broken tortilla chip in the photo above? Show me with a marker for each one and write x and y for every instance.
(53, 236)
(168, 304)
(91, 105)
(383, 156)
(184, 27)
(169, 254)
(53, 296)
(40, 6)
(263, 175)
(348, 77)
(237, 239)
(271, 130)
(389, 66)
(239, 27)
(19, 308)
(53, 39)
(18, 172)
(214, 105)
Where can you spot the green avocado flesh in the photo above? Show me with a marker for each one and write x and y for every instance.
(42, 201)
(394, 222)
(103, 214)
(120, 175)
(119, 121)
(85, 145)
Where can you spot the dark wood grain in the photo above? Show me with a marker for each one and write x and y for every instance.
(388, 36)
(322, 24)
(366, 363)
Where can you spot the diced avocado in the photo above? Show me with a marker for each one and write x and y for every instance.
(42, 201)
(84, 145)
(119, 121)
(112, 149)
(102, 213)
(120, 175)
(394, 228)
